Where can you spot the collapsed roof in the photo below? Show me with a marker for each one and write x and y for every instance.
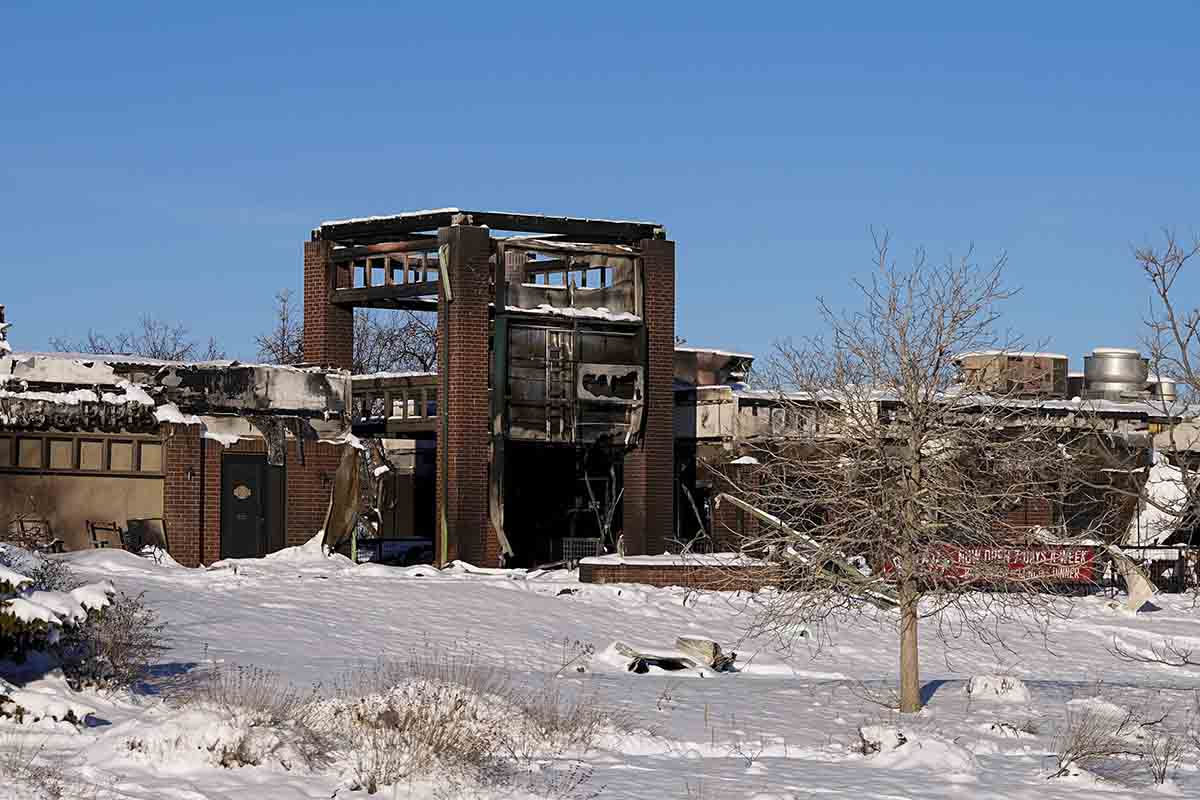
(75, 391)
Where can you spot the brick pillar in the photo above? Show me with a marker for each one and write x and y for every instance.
(463, 528)
(328, 329)
(182, 506)
(649, 501)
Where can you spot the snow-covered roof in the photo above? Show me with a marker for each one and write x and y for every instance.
(60, 367)
(1014, 353)
(1148, 407)
(431, 211)
(368, 376)
(713, 350)
(577, 313)
(402, 215)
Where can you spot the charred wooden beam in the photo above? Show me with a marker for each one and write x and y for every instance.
(384, 248)
(414, 296)
(372, 230)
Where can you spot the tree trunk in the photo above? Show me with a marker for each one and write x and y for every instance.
(910, 670)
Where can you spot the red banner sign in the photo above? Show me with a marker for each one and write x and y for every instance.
(1049, 564)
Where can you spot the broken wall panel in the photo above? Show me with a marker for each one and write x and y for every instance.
(555, 394)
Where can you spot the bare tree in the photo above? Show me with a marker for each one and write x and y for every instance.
(1172, 342)
(283, 344)
(894, 479)
(394, 341)
(384, 341)
(153, 338)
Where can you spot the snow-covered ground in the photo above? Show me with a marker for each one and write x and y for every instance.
(784, 726)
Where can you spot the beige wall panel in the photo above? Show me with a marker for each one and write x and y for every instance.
(70, 500)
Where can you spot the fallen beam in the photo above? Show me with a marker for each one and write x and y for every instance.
(840, 569)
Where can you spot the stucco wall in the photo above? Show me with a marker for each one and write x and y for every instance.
(68, 501)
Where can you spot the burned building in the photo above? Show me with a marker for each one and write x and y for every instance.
(547, 431)
(1129, 416)
(228, 459)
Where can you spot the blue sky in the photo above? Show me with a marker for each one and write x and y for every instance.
(171, 158)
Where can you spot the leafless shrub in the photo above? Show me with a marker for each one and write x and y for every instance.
(116, 647)
(1096, 735)
(1163, 750)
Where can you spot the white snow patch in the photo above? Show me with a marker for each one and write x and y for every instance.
(49, 698)
(676, 560)
(312, 550)
(169, 412)
(13, 579)
(578, 313)
(909, 749)
(1164, 501)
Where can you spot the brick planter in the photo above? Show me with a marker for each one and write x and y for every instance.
(653, 572)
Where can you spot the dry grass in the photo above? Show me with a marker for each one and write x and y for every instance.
(468, 724)
(405, 720)
(279, 721)
(27, 774)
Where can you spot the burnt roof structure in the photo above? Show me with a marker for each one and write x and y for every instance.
(420, 224)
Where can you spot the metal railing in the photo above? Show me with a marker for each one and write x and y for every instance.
(1172, 569)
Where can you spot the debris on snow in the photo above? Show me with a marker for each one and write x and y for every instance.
(1004, 688)
(707, 652)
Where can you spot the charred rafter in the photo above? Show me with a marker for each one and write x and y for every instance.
(402, 227)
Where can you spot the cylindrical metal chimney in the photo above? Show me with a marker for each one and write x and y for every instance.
(1115, 373)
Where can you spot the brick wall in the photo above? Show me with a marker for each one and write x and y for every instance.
(730, 524)
(463, 406)
(649, 501)
(193, 543)
(693, 577)
(328, 330)
(1034, 512)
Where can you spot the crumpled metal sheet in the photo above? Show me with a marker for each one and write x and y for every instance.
(275, 429)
